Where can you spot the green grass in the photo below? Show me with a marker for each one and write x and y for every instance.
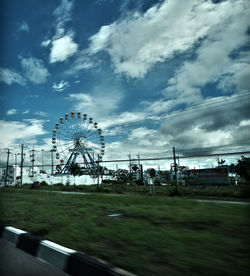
(156, 235)
(227, 192)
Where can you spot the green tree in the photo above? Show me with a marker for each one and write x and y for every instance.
(75, 170)
(220, 162)
(123, 175)
(242, 168)
(152, 173)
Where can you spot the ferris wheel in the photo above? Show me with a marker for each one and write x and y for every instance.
(78, 139)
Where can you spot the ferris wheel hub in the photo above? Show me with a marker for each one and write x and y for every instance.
(82, 141)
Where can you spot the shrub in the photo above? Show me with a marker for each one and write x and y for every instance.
(139, 182)
(44, 183)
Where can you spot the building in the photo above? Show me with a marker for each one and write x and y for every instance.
(31, 175)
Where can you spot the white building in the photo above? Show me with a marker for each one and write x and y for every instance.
(14, 174)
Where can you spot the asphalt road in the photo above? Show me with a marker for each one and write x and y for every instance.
(15, 262)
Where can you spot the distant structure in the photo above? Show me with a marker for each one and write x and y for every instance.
(78, 139)
(32, 174)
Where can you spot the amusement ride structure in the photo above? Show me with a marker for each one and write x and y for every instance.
(77, 138)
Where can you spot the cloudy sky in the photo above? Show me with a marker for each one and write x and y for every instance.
(153, 74)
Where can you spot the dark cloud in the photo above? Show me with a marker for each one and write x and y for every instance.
(206, 127)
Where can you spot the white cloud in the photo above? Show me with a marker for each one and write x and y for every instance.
(34, 70)
(81, 62)
(139, 41)
(41, 113)
(62, 43)
(63, 13)
(14, 132)
(213, 58)
(139, 140)
(141, 133)
(237, 76)
(63, 48)
(100, 103)
(46, 43)
(62, 85)
(100, 40)
(124, 119)
(11, 112)
(26, 111)
(9, 77)
(218, 124)
(24, 27)
(160, 106)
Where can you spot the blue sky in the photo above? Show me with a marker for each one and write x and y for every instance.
(153, 74)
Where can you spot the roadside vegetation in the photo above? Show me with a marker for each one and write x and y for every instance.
(147, 235)
(125, 184)
(241, 191)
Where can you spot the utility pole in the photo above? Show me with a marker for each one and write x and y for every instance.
(116, 173)
(22, 159)
(138, 156)
(15, 170)
(159, 174)
(129, 156)
(32, 159)
(175, 169)
(98, 173)
(130, 176)
(52, 162)
(140, 167)
(7, 167)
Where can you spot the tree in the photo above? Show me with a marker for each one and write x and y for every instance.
(123, 175)
(135, 168)
(152, 173)
(220, 162)
(75, 170)
(242, 168)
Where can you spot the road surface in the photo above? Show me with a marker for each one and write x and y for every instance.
(15, 262)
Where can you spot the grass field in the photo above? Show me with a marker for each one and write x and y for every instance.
(155, 235)
(225, 192)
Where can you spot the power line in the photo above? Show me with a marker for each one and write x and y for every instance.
(198, 107)
(180, 156)
(162, 158)
(218, 100)
(208, 106)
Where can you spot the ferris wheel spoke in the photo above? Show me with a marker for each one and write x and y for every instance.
(65, 133)
(94, 132)
(79, 120)
(63, 150)
(68, 143)
(66, 147)
(69, 128)
(64, 137)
